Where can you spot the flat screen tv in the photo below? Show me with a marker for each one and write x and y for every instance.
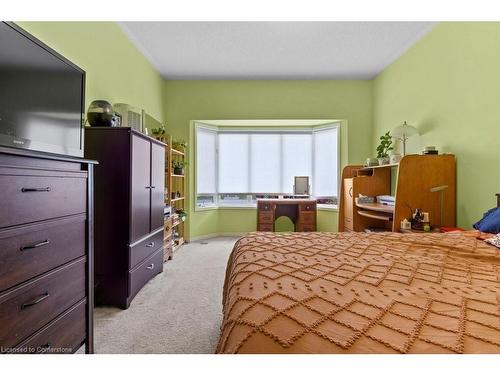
(41, 96)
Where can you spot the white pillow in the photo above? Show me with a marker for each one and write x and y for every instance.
(495, 240)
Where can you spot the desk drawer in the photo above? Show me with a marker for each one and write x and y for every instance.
(31, 250)
(308, 218)
(26, 199)
(265, 227)
(144, 272)
(308, 207)
(265, 206)
(64, 335)
(266, 217)
(308, 228)
(25, 309)
(141, 250)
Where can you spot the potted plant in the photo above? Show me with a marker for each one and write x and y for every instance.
(179, 145)
(383, 148)
(178, 166)
(159, 133)
(182, 214)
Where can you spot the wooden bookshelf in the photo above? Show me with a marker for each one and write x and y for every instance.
(176, 184)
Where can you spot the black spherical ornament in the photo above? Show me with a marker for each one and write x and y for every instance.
(101, 113)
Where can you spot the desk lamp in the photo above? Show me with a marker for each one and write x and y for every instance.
(403, 132)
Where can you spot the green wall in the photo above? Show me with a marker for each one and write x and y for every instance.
(448, 86)
(218, 100)
(116, 70)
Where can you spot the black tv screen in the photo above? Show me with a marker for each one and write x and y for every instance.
(41, 96)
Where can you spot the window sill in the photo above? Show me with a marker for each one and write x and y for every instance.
(241, 207)
(254, 207)
(209, 208)
(328, 208)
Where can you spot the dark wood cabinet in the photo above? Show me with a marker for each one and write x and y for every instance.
(46, 253)
(157, 186)
(129, 189)
(140, 188)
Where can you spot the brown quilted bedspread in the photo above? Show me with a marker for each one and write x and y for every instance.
(361, 293)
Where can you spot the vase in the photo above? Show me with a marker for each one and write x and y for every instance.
(383, 161)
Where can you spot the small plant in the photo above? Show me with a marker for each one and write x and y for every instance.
(178, 167)
(179, 145)
(182, 214)
(158, 131)
(179, 164)
(385, 146)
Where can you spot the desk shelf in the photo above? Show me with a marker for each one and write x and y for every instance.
(376, 207)
(376, 215)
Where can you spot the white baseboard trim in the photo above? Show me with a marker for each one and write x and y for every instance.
(213, 235)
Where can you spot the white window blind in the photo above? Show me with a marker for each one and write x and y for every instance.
(235, 167)
(265, 163)
(325, 173)
(206, 161)
(233, 163)
(297, 159)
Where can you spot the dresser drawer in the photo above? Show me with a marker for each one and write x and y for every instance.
(266, 217)
(63, 335)
(308, 206)
(143, 249)
(144, 272)
(27, 308)
(26, 199)
(29, 251)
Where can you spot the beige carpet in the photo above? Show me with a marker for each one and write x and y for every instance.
(179, 311)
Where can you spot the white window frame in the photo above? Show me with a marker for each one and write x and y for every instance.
(334, 124)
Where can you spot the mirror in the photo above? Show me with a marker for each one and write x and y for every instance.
(301, 185)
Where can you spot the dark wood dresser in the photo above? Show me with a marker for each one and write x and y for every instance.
(46, 253)
(302, 212)
(129, 202)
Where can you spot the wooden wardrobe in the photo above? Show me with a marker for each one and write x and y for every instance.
(410, 182)
(129, 203)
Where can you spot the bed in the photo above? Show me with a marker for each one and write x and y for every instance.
(361, 293)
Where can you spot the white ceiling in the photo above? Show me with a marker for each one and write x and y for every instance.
(273, 50)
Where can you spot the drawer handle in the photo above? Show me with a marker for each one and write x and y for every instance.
(151, 266)
(35, 302)
(151, 244)
(34, 246)
(31, 190)
(148, 187)
(153, 187)
(350, 192)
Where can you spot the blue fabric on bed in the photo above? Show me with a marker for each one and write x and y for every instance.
(490, 222)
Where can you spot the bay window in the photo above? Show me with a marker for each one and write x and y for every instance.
(236, 167)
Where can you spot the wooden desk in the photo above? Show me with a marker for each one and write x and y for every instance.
(302, 212)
